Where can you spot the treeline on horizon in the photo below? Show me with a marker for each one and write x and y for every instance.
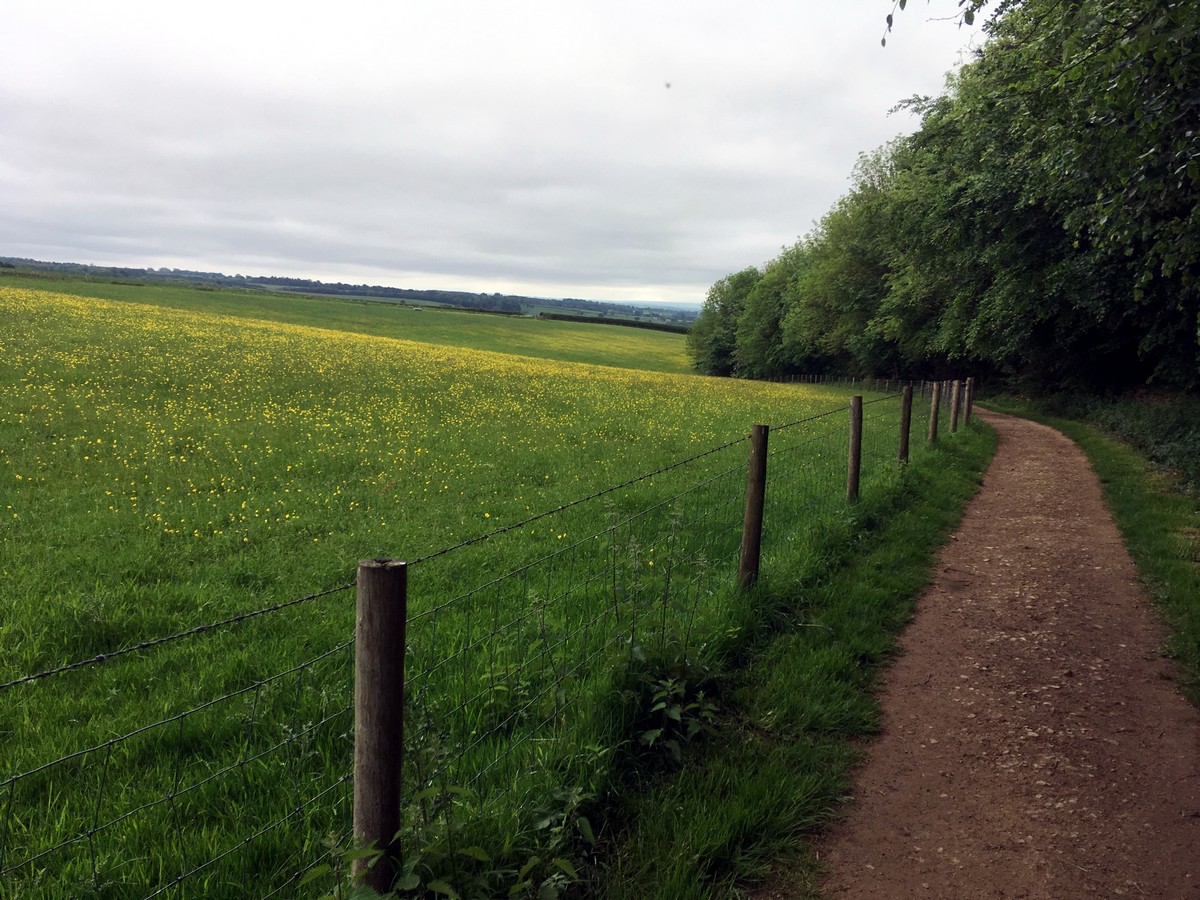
(672, 327)
(1040, 226)
(502, 303)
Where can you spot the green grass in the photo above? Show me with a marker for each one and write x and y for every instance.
(795, 704)
(1157, 516)
(165, 467)
(630, 348)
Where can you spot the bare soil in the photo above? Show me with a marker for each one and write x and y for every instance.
(1034, 743)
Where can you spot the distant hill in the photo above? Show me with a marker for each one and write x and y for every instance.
(680, 317)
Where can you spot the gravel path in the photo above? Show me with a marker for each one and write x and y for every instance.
(1034, 743)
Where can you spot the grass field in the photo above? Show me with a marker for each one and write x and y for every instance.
(543, 339)
(167, 465)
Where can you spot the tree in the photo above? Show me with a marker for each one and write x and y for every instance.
(759, 351)
(836, 297)
(1042, 223)
(713, 337)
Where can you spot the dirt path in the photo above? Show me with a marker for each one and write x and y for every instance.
(1033, 743)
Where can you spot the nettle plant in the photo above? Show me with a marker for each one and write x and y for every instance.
(540, 860)
(676, 717)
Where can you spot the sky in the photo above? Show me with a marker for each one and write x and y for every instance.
(611, 150)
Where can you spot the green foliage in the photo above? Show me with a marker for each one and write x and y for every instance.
(1043, 224)
(684, 715)
(758, 347)
(535, 861)
(676, 717)
(827, 326)
(713, 338)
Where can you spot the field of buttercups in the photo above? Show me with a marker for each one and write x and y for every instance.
(169, 467)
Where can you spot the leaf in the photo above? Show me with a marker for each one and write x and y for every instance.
(440, 887)
(903, 3)
(585, 828)
(528, 867)
(566, 866)
(314, 873)
(476, 853)
(425, 794)
(969, 17)
(409, 881)
(547, 892)
(649, 737)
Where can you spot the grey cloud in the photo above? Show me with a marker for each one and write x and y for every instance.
(535, 145)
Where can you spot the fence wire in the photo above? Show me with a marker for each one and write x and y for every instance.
(510, 677)
(523, 645)
(806, 480)
(226, 796)
(154, 643)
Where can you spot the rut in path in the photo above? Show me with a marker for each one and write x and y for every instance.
(1033, 742)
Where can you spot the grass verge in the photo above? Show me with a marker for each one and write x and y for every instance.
(1160, 522)
(779, 755)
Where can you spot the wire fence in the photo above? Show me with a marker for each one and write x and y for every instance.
(521, 648)
(237, 789)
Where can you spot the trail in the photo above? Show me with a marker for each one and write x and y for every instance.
(1033, 742)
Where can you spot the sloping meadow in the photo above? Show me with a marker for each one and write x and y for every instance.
(167, 469)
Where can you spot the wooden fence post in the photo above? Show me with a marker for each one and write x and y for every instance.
(854, 461)
(379, 633)
(756, 495)
(905, 421)
(935, 402)
(970, 400)
(955, 403)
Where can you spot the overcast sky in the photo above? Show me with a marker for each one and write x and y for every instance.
(603, 149)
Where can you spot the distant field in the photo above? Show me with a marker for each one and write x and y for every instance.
(167, 464)
(525, 336)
